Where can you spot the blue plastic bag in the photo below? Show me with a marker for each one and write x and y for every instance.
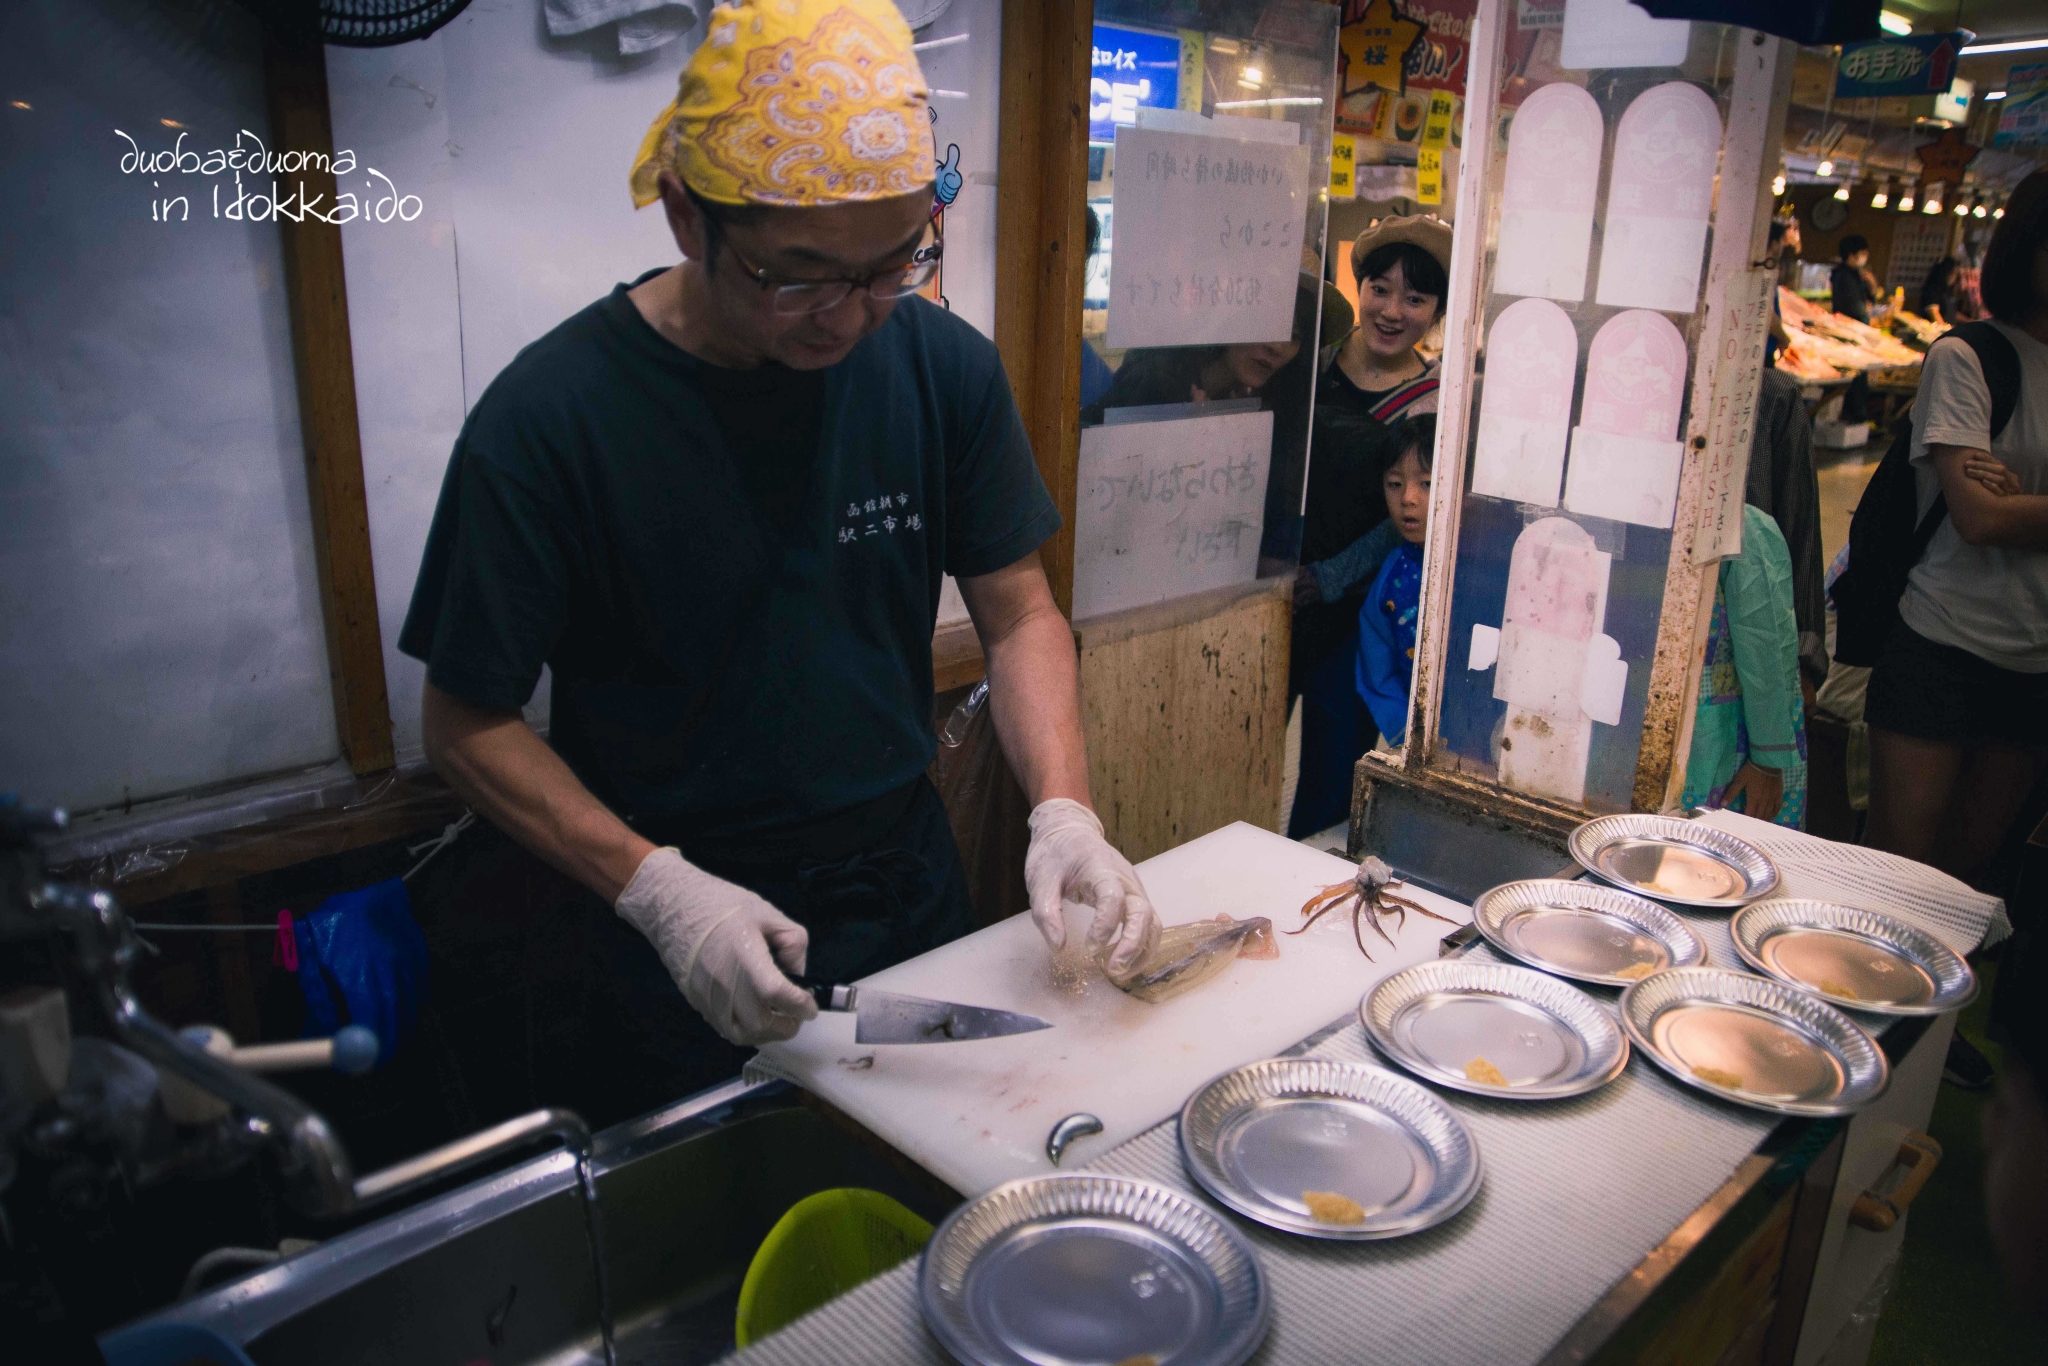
(366, 946)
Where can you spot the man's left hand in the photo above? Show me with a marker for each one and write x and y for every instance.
(1069, 860)
(1764, 786)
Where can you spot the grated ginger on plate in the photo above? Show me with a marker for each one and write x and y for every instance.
(1827, 988)
(1636, 972)
(1716, 1077)
(1328, 1207)
(1485, 1073)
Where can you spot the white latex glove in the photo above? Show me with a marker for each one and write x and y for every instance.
(1069, 860)
(720, 944)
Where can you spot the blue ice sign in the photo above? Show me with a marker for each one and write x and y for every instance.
(1132, 70)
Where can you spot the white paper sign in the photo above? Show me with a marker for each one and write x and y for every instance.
(1163, 509)
(1659, 199)
(1731, 414)
(1623, 478)
(1525, 410)
(1615, 33)
(1208, 239)
(1553, 178)
(1625, 452)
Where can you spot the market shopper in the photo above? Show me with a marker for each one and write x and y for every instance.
(1749, 732)
(1377, 378)
(1958, 700)
(1854, 288)
(717, 505)
(1940, 295)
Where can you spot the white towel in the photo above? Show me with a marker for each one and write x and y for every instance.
(1957, 914)
(643, 25)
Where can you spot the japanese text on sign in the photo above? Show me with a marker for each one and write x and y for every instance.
(1429, 176)
(1168, 508)
(1210, 233)
(1731, 415)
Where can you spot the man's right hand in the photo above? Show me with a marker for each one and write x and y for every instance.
(721, 945)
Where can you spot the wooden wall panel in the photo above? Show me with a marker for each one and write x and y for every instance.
(1186, 721)
(297, 76)
(1041, 260)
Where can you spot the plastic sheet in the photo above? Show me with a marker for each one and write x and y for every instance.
(1189, 955)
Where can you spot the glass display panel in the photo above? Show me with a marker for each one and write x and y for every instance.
(1203, 303)
(1600, 191)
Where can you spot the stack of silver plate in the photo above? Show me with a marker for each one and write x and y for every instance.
(1456, 1022)
(1585, 930)
(1853, 958)
(1679, 861)
(1755, 1041)
(1091, 1268)
(1288, 1141)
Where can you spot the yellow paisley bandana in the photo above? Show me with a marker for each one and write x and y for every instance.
(795, 102)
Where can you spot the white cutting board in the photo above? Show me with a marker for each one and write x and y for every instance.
(978, 1114)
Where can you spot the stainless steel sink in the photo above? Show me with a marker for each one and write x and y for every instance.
(499, 1271)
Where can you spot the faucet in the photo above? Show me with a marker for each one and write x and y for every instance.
(320, 1179)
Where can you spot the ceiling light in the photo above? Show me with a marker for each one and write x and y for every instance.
(1905, 201)
(1994, 94)
(1933, 205)
(1825, 169)
(1978, 212)
(1892, 23)
(1998, 212)
(1251, 78)
(1881, 196)
(2017, 45)
(1843, 193)
(1778, 185)
(1962, 209)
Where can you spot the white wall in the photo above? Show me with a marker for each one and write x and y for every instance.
(160, 621)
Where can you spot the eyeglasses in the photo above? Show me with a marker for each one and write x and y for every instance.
(792, 297)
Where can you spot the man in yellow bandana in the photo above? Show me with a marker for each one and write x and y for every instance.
(717, 506)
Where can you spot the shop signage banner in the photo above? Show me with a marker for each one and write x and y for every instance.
(2023, 120)
(1131, 71)
(1919, 64)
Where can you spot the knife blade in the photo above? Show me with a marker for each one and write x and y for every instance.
(885, 1017)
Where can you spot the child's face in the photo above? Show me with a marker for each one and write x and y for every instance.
(1407, 489)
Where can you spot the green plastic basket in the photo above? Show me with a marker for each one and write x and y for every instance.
(825, 1245)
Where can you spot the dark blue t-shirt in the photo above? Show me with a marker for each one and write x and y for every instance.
(737, 605)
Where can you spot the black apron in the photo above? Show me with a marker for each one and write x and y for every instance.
(554, 1000)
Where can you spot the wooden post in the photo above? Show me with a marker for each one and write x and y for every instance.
(1041, 213)
(296, 73)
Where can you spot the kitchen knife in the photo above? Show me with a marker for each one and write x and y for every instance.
(883, 1017)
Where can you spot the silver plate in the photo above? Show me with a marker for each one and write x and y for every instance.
(1585, 930)
(1259, 1137)
(1547, 1037)
(1773, 1046)
(1091, 1268)
(1859, 960)
(1683, 862)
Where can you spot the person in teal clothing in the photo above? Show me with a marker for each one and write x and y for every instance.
(1749, 735)
(1386, 619)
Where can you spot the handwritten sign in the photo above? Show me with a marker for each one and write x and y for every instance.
(1163, 509)
(1429, 176)
(1436, 129)
(1343, 166)
(1209, 234)
(1731, 414)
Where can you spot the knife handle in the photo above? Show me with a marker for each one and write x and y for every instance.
(828, 995)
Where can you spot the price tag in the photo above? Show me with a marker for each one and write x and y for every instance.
(1194, 48)
(1343, 164)
(1436, 129)
(1429, 176)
